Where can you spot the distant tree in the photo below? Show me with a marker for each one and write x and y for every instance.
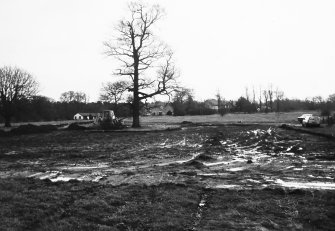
(243, 105)
(266, 100)
(15, 84)
(326, 111)
(317, 99)
(253, 95)
(137, 49)
(221, 107)
(73, 96)
(41, 108)
(113, 92)
(260, 98)
(247, 96)
(270, 95)
(331, 98)
(179, 102)
(219, 99)
(182, 94)
(279, 97)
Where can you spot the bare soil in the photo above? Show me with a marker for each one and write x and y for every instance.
(255, 177)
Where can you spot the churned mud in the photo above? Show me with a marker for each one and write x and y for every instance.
(234, 173)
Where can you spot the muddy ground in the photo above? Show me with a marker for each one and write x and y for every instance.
(252, 177)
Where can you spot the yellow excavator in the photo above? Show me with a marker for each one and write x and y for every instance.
(108, 120)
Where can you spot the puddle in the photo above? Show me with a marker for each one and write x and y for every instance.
(221, 163)
(227, 186)
(214, 174)
(49, 175)
(237, 169)
(11, 153)
(178, 161)
(183, 143)
(320, 177)
(199, 212)
(254, 181)
(62, 178)
(84, 167)
(82, 172)
(288, 153)
(37, 174)
(306, 185)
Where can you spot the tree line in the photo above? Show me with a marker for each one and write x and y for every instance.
(19, 102)
(269, 101)
(41, 108)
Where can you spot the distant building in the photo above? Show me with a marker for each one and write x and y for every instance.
(263, 108)
(85, 116)
(212, 104)
(165, 109)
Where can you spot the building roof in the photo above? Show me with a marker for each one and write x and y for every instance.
(88, 114)
(212, 102)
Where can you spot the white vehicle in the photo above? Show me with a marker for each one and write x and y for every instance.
(310, 121)
(302, 117)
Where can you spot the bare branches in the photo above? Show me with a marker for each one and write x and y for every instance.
(166, 79)
(137, 51)
(112, 92)
(15, 84)
(72, 96)
(135, 43)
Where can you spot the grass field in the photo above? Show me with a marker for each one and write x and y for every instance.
(283, 117)
(287, 117)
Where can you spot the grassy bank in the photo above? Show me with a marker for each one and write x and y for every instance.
(28, 204)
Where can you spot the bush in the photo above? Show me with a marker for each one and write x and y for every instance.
(30, 128)
(76, 127)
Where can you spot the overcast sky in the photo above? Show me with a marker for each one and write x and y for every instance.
(218, 45)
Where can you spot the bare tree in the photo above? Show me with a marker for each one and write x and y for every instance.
(73, 96)
(260, 98)
(113, 92)
(221, 106)
(219, 99)
(180, 99)
(279, 96)
(266, 98)
(137, 49)
(253, 95)
(15, 85)
(331, 98)
(247, 94)
(270, 94)
(182, 94)
(317, 99)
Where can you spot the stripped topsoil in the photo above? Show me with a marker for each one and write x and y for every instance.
(253, 177)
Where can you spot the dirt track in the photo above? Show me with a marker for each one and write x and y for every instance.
(217, 159)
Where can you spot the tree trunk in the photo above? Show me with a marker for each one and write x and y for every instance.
(136, 115)
(116, 109)
(136, 110)
(136, 103)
